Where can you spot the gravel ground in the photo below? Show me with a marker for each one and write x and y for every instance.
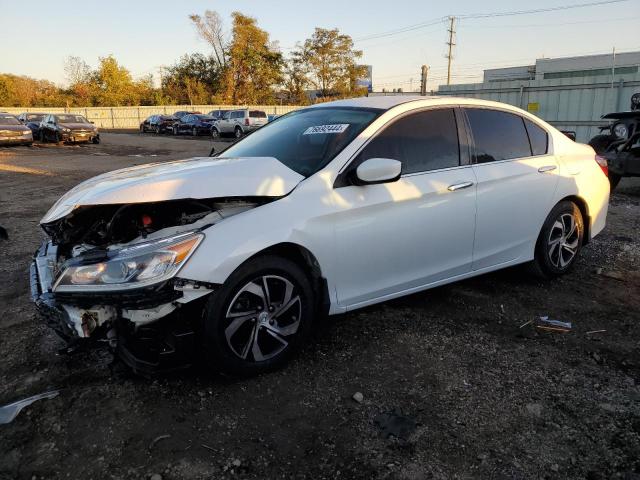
(449, 384)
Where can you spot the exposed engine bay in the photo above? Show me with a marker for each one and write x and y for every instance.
(96, 235)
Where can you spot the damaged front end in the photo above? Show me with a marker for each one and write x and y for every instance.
(110, 274)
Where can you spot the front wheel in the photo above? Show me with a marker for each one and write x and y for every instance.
(43, 138)
(259, 318)
(174, 130)
(215, 134)
(559, 241)
(194, 132)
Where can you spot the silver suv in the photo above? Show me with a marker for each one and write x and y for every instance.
(239, 122)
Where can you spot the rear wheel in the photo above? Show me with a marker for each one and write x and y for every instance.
(259, 318)
(238, 132)
(559, 241)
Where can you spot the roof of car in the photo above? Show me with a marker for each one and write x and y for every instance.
(389, 101)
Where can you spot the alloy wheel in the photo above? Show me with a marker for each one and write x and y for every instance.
(215, 134)
(563, 241)
(262, 317)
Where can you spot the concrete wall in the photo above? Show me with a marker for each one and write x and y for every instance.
(131, 117)
(569, 104)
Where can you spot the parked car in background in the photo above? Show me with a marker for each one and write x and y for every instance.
(217, 114)
(239, 122)
(32, 120)
(619, 143)
(195, 124)
(158, 124)
(13, 131)
(181, 113)
(328, 209)
(68, 127)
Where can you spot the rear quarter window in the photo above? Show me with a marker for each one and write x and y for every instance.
(497, 135)
(257, 114)
(538, 137)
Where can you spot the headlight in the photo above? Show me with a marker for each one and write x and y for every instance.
(133, 267)
(26, 132)
(620, 130)
(66, 130)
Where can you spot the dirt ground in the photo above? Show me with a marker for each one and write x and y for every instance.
(451, 386)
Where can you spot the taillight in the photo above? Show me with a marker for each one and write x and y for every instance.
(603, 164)
(246, 122)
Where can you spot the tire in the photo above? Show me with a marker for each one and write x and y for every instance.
(57, 137)
(43, 138)
(238, 132)
(558, 243)
(142, 129)
(230, 339)
(194, 132)
(215, 134)
(157, 130)
(174, 130)
(95, 140)
(614, 180)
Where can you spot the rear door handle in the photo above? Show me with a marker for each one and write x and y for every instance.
(547, 168)
(459, 186)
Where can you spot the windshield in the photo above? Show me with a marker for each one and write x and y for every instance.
(305, 140)
(9, 120)
(71, 119)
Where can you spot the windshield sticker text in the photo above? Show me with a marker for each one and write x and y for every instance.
(336, 128)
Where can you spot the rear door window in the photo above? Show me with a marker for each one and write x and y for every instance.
(538, 137)
(422, 141)
(497, 135)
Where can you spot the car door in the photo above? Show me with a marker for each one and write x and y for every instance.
(226, 122)
(397, 237)
(515, 185)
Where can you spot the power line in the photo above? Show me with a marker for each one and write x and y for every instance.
(538, 10)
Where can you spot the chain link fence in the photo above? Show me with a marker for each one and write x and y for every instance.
(131, 117)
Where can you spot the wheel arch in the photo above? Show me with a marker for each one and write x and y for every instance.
(308, 262)
(584, 210)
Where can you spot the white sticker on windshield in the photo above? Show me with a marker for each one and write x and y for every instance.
(336, 128)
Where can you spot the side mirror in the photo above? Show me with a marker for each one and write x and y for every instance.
(377, 170)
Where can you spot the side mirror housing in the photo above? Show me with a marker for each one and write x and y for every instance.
(377, 170)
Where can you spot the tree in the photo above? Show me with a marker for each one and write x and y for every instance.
(76, 70)
(331, 62)
(211, 29)
(179, 82)
(114, 86)
(254, 67)
(295, 79)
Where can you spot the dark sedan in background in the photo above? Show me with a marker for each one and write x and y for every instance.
(68, 127)
(13, 131)
(158, 124)
(195, 124)
(32, 120)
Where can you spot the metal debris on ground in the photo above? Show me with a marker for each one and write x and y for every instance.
(595, 331)
(157, 439)
(545, 323)
(9, 412)
(395, 424)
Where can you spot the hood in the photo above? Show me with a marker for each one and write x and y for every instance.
(78, 126)
(197, 178)
(13, 128)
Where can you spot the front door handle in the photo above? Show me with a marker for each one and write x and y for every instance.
(459, 186)
(547, 168)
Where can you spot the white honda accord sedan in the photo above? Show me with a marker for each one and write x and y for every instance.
(230, 260)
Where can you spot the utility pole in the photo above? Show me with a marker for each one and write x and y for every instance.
(423, 80)
(451, 44)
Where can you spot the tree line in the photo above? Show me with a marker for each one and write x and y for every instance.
(244, 66)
